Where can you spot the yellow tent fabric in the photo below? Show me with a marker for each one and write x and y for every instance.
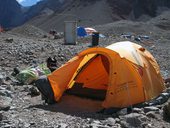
(127, 71)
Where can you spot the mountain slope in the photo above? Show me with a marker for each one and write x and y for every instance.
(89, 13)
(40, 7)
(10, 13)
(86, 13)
(49, 14)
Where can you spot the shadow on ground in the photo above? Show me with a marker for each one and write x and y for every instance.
(75, 106)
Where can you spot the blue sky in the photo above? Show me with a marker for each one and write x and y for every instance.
(27, 2)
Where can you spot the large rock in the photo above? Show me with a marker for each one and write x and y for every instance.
(167, 85)
(133, 120)
(138, 110)
(34, 91)
(166, 110)
(161, 99)
(3, 117)
(148, 109)
(5, 92)
(5, 103)
(151, 114)
(110, 121)
(168, 90)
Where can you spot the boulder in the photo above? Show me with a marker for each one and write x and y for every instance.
(167, 85)
(150, 108)
(166, 110)
(168, 90)
(34, 91)
(5, 103)
(161, 99)
(5, 92)
(138, 110)
(110, 121)
(9, 40)
(122, 111)
(63, 125)
(151, 114)
(10, 88)
(133, 120)
(58, 36)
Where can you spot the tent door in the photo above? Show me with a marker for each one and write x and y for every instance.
(93, 79)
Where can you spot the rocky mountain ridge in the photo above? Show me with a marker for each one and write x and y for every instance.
(10, 13)
(13, 14)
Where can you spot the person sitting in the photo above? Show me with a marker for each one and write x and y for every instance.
(51, 63)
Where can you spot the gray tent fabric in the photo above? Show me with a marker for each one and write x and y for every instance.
(44, 87)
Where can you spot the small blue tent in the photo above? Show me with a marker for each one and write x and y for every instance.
(81, 32)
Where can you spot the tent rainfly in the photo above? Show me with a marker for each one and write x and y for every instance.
(126, 71)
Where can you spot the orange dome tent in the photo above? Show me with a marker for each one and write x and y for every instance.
(126, 71)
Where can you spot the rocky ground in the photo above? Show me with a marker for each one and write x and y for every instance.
(23, 47)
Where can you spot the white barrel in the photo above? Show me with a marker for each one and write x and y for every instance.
(70, 32)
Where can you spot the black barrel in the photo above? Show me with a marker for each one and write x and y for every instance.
(95, 38)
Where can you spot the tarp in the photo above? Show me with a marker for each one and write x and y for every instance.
(126, 71)
(90, 31)
(84, 32)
